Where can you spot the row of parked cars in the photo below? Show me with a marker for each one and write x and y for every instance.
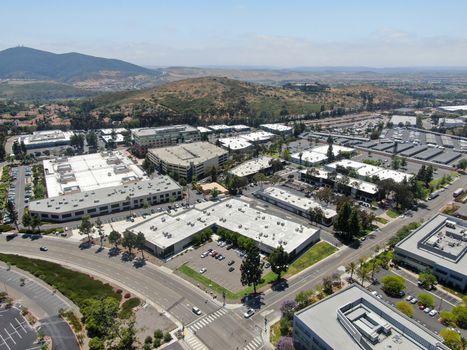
(427, 310)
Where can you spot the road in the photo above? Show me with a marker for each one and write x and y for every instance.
(166, 291)
(36, 295)
(20, 191)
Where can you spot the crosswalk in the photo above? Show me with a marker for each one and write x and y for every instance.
(193, 341)
(254, 344)
(203, 322)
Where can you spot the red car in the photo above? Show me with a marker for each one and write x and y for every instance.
(214, 254)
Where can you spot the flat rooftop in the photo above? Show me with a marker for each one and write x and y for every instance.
(108, 131)
(233, 214)
(309, 157)
(235, 143)
(258, 136)
(185, 154)
(90, 172)
(203, 130)
(46, 137)
(104, 196)
(442, 240)
(454, 108)
(404, 119)
(353, 313)
(220, 127)
(154, 131)
(358, 184)
(300, 202)
(336, 149)
(277, 127)
(369, 170)
(251, 167)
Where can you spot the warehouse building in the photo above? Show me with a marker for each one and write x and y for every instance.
(446, 157)
(439, 245)
(167, 234)
(102, 201)
(404, 120)
(221, 128)
(278, 129)
(413, 151)
(235, 144)
(253, 166)
(146, 138)
(188, 160)
(296, 204)
(356, 188)
(353, 319)
(258, 137)
(428, 153)
(66, 175)
(46, 139)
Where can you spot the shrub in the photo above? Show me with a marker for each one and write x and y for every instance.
(447, 318)
(460, 312)
(285, 343)
(157, 342)
(405, 308)
(393, 285)
(451, 338)
(127, 295)
(148, 340)
(158, 334)
(167, 337)
(119, 291)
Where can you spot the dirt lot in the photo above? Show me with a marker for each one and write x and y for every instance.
(217, 270)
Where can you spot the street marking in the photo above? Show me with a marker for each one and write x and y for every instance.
(4, 343)
(15, 331)
(25, 331)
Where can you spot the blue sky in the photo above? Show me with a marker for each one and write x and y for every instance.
(291, 33)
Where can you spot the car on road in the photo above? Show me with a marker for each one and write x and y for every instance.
(249, 313)
(231, 268)
(43, 249)
(231, 262)
(196, 310)
(203, 270)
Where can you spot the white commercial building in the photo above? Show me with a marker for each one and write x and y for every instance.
(278, 128)
(368, 171)
(203, 130)
(235, 143)
(403, 120)
(188, 160)
(89, 172)
(102, 201)
(308, 158)
(221, 128)
(297, 204)
(168, 234)
(146, 138)
(451, 122)
(336, 149)
(252, 167)
(354, 319)
(454, 108)
(258, 136)
(439, 246)
(240, 128)
(46, 139)
(109, 131)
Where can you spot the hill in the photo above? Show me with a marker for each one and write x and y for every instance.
(214, 99)
(28, 63)
(40, 90)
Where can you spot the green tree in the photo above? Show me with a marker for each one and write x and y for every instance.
(405, 307)
(100, 230)
(26, 219)
(279, 260)
(129, 240)
(354, 226)
(12, 213)
(99, 316)
(403, 162)
(393, 285)
(350, 269)
(148, 166)
(286, 154)
(115, 237)
(396, 162)
(215, 193)
(341, 223)
(451, 339)
(250, 269)
(426, 299)
(447, 318)
(86, 227)
(213, 173)
(140, 242)
(36, 223)
(460, 312)
(125, 336)
(96, 344)
(462, 164)
(325, 194)
(427, 279)
(91, 139)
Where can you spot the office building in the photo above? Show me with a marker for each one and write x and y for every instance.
(439, 246)
(146, 138)
(354, 319)
(188, 160)
(252, 167)
(46, 139)
(278, 128)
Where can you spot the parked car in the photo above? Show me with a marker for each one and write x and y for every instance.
(231, 268)
(196, 310)
(43, 249)
(408, 298)
(427, 310)
(231, 262)
(203, 270)
(433, 313)
(249, 313)
(414, 301)
(205, 254)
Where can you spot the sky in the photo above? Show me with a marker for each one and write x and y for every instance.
(287, 33)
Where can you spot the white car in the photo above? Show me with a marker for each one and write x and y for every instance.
(426, 310)
(433, 313)
(414, 301)
(203, 270)
(249, 313)
(196, 310)
(408, 298)
(375, 293)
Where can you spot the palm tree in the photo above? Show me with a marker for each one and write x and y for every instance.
(351, 269)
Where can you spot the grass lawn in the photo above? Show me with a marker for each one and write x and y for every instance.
(316, 253)
(393, 213)
(275, 334)
(381, 220)
(128, 306)
(75, 285)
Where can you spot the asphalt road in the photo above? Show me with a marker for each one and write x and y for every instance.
(176, 296)
(50, 303)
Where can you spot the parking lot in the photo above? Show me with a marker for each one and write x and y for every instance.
(216, 270)
(15, 332)
(442, 303)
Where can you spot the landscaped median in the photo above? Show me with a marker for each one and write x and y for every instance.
(313, 255)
